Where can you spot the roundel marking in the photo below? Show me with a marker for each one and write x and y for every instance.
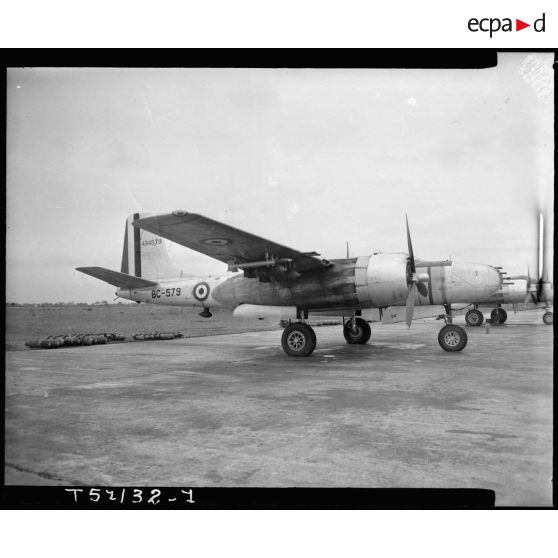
(216, 241)
(201, 291)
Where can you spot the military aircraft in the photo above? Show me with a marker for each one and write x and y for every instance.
(521, 292)
(274, 280)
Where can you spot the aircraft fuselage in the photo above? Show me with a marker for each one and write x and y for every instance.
(374, 281)
(518, 292)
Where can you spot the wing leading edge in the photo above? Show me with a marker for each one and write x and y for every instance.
(237, 248)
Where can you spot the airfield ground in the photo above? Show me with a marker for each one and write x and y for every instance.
(233, 410)
(28, 322)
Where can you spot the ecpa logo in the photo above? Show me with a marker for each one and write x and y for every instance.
(494, 24)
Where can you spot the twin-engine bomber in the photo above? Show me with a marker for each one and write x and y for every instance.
(521, 292)
(273, 280)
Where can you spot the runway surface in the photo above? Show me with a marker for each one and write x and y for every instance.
(234, 410)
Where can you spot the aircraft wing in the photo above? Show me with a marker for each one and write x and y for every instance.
(237, 248)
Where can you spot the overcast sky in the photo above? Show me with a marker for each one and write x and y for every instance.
(308, 158)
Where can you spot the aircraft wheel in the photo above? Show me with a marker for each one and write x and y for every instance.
(548, 318)
(363, 332)
(298, 340)
(452, 338)
(499, 316)
(474, 318)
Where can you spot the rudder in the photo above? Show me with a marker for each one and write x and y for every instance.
(144, 254)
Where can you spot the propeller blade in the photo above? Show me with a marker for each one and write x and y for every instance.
(540, 248)
(410, 305)
(541, 269)
(410, 248)
(529, 291)
(422, 289)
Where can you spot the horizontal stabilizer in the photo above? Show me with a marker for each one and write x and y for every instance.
(121, 280)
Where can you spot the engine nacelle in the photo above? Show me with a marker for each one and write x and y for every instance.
(383, 280)
(516, 293)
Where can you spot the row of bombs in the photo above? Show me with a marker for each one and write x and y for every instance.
(73, 339)
(155, 335)
(285, 323)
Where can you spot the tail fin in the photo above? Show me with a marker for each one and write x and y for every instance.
(145, 254)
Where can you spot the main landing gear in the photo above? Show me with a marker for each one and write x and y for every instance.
(474, 318)
(298, 340)
(548, 318)
(452, 337)
(357, 331)
(498, 315)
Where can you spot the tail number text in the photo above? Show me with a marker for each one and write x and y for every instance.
(165, 292)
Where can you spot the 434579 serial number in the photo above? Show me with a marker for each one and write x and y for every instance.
(158, 293)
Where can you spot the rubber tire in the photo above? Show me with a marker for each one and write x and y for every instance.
(474, 318)
(548, 318)
(498, 316)
(364, 332)
(456, 333)
(302, 332)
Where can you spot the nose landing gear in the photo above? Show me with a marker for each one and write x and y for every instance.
(474, 318)
(452, 337)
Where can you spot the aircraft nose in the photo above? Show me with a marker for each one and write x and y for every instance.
(484, 280)
(493, 279)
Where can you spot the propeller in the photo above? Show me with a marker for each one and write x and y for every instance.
(530, 292)
(413, 281)
(543, 272)
(538, 293)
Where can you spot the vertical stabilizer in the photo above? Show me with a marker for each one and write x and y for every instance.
(145, 254)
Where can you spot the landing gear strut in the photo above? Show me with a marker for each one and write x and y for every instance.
(356, 331)
(498, 316)
(474, 318)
